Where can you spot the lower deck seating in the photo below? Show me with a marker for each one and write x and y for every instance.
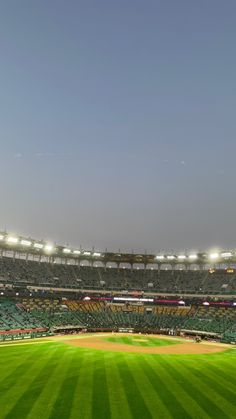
(49, 314)
(13, 316)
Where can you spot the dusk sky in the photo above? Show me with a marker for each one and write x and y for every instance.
(118, 123)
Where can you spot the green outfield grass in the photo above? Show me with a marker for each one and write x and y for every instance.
(57, 381)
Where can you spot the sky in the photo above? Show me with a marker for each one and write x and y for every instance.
(118, 123)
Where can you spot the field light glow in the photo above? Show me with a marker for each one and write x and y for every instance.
(48, 248)
(26, 243)
(226, 255)
(12, 240)
(38, 245)
(76, 252)
(66, 250)
(193, 256)
(214, 256)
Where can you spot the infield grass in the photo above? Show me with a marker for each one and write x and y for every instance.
(54, 380)
(142, 340)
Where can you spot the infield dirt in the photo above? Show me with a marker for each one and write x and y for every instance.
(98, 342)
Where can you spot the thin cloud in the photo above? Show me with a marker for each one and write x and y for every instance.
(18, 156)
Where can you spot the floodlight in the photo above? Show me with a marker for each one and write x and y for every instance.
(48, 248)
(12, 240)
(76, 252)
(181, 257)
(193, 256)
(214, 256)
(160, 257)
(226, 255)
(96, 254)
(171, 257)
(38, 245)
(65, 250)
(87, 253)
(1, 237)
(25, 242)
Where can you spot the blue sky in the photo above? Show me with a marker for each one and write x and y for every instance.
(117, 122)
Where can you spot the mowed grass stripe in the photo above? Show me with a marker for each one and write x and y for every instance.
(8, 375)
(226, 376)
(215, 382)
(165, 389)
(147, 384)
(197, 404)
(133, 389)
(51, 389)
(117, 396)
(218, 406)
(81, 407)
(10, 371)
(101, 404)
(14, 404)
(62, 405)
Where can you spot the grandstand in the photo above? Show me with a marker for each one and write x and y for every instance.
(24, 272)
(45, 288)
